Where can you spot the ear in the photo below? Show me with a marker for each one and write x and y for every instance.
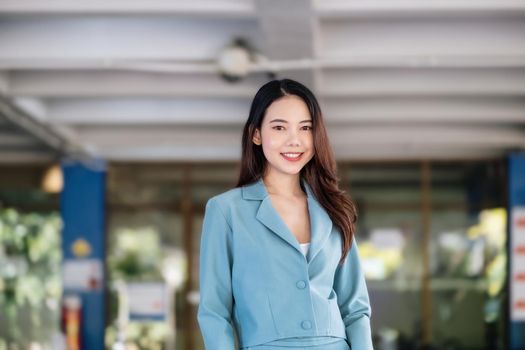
(257, 137)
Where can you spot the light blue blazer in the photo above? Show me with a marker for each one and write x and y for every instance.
(255, 281)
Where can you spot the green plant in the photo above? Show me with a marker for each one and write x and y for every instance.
(30, 285)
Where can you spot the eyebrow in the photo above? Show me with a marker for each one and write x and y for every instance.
(284, 121)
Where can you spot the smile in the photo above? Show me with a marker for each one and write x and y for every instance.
(292, 156)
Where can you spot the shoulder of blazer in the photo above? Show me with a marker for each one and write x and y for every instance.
(237, 196)
(229, 197)
(224, 201)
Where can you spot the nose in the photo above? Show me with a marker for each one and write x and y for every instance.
(293, 138)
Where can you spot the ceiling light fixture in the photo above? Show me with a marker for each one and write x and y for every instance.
(235, 60)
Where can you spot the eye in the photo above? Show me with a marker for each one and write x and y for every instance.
(307, 128)
(278, 127)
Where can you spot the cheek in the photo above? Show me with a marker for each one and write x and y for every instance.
(311, 147)
(309, 140)
(271, 142)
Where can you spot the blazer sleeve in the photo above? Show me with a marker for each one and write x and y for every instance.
(353, 300)
(215, 306)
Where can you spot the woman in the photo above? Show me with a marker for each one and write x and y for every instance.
(279, 266)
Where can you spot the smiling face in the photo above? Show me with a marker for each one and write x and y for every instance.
(286, 136)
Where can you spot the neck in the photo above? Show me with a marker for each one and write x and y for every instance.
(286, 186)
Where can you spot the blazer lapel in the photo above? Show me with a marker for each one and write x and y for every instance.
(320, 222)
(271, 219)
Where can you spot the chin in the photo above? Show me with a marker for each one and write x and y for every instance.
(293, 171)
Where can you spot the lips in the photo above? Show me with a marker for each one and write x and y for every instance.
(292, 156)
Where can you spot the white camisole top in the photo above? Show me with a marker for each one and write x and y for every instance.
(305, 247)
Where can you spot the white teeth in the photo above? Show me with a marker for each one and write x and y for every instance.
(292, 155)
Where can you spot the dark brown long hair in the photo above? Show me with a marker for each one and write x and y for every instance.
(320, 172)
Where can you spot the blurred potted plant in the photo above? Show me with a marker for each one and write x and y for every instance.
(30, 285)
(136, 255)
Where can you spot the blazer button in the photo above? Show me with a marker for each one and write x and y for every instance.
(306, 325)
(301, 284)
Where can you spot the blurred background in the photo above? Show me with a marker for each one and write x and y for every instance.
(119, 119)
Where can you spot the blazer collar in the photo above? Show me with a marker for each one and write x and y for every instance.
(320, 222)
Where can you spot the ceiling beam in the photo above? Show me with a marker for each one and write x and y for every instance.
(148, 111)
(419, 136)
(347, 9)
(425, 110)
(98, 83)
(423, 81)
(205, 8)
(77, 40)
(336, 82)
(338, 111)
(43, 132)
(434, 38)
(288, 27)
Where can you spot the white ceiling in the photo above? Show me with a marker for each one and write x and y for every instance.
(138, 80)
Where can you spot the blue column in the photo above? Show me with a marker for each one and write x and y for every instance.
(82, 206)
(516, 199)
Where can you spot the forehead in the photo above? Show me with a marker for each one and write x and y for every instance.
(290, 108)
